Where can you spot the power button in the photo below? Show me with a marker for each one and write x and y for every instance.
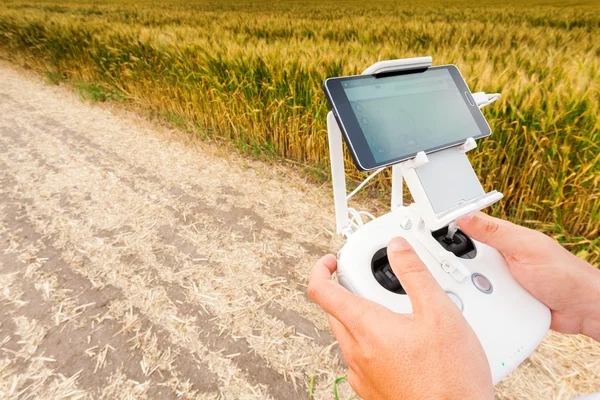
(482, 283)
(456, 300)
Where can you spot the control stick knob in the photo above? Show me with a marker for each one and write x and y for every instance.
(459, 244)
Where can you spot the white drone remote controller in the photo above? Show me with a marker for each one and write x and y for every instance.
(508, 321)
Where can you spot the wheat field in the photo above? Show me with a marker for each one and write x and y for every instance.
(251, 73)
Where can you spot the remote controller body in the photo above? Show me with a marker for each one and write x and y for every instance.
(508, 321)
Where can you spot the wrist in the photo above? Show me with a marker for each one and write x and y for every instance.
(590, 318)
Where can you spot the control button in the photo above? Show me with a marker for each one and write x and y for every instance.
(482, 283)
(446, 267)
(454, 268)
(456, 300)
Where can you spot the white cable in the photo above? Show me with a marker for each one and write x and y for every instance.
(368, 214)
(483, 99)
(364, 183)
(355, 217)
(356, 220)
(492, 98)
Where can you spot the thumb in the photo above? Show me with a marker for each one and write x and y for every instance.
(497, 233)
(413, 274)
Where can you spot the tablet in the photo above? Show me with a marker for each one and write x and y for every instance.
(390, 118)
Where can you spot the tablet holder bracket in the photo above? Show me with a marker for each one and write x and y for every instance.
(443, 184)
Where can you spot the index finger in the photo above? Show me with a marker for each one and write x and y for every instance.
(344, 306)
(502, 235)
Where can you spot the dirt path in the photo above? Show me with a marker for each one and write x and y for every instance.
(134, 265)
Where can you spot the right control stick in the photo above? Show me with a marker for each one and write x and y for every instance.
(459, 243)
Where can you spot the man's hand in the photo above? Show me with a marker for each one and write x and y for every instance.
(430, 354)
(567, 285)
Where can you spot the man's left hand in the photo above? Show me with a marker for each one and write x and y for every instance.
(430, 354)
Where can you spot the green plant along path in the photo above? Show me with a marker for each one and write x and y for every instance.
(251, 73)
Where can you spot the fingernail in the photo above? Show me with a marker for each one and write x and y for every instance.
(399, 244)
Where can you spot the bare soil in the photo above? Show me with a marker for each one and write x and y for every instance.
(135, 263)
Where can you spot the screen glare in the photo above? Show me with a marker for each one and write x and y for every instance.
(402, 115)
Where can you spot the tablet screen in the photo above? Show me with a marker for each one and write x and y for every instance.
(389, 119)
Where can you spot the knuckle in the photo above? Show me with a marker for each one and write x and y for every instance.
(313, 290)
(412, 269)
(453, 325)
(353, 381)
(369, 353)
(542, 239)
(350, 358)
(406, 262)
(442, 320)
(438, 320)
(491, 227)
(413, 264)
(355, 321)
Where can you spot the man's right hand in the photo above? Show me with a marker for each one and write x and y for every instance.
(566, 284)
